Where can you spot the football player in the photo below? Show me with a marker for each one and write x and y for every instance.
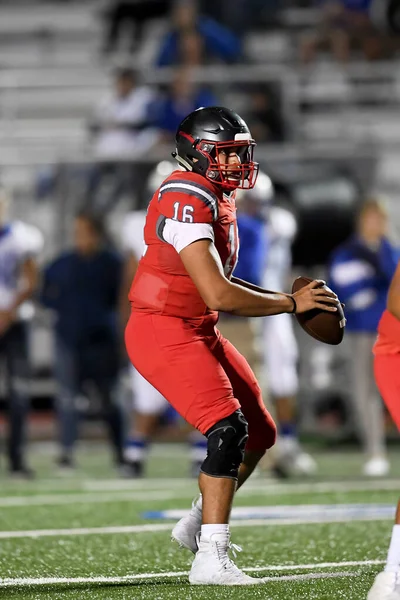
(182, 281)
(387, 377)
(20, 245)
(148, 404)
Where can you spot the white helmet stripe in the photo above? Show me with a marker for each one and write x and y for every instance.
(242, 137)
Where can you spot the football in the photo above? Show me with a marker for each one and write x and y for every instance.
(326, 327)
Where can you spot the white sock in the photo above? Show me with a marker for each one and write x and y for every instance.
(393, 559)
(208, 530)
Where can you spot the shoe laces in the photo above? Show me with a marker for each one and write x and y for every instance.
(222, 547)
(226, 562)
(234, 548)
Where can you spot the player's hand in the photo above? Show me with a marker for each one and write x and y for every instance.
(315, 295)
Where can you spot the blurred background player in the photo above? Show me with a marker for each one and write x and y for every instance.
(148, 404)
(387, 377)
(81, 286)
(266, 233)
(20, 245)
(360, 271)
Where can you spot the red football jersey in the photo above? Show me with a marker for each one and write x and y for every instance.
(161, 284)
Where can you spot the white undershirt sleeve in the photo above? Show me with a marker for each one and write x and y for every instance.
(132, 236)
(180, 235)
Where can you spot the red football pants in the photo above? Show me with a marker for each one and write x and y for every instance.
(200, 373)
(387, 377)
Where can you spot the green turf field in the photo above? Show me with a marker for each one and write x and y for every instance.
(85, 536)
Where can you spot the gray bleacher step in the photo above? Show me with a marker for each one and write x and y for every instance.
(71, 17)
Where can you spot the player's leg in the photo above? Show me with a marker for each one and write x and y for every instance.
(387, 375)
(280, 354)
(114, 416)
(218, 482)
(261, 428)
(242, 334)
(367, 404)
(148, 405)
(66, 374)
(177, 360)
(18, 373)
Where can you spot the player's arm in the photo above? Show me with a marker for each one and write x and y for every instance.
(254, 288)
(29, 277)
(203, 264)
(393, 301)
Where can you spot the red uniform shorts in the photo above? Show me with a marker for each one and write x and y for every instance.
(387, 377)
(199, 372)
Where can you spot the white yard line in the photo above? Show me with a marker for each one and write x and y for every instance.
(108, 580)
(186, 488)
(84, 498)
(156, 527)
(36, 533)
(9, 582)
(266, 487)
(323, 565)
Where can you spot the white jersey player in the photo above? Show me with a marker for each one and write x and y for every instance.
(278, 342)
(148, 403)
(281, 355)
(19, 245)
(280, 346)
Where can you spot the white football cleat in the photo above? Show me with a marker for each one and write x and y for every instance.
(304, 464)
(377, 466)
(212, 565)
(292, 460)
(386, 587)
(186, 530)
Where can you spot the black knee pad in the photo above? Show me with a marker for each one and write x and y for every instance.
(225, 448)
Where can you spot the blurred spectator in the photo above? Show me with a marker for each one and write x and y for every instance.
(121, 130)
(344, 25)
(19, 245)
(130, 15)
(195, 39)
(182, 98)
(82, 287)
(264, 116)
(360, 272)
